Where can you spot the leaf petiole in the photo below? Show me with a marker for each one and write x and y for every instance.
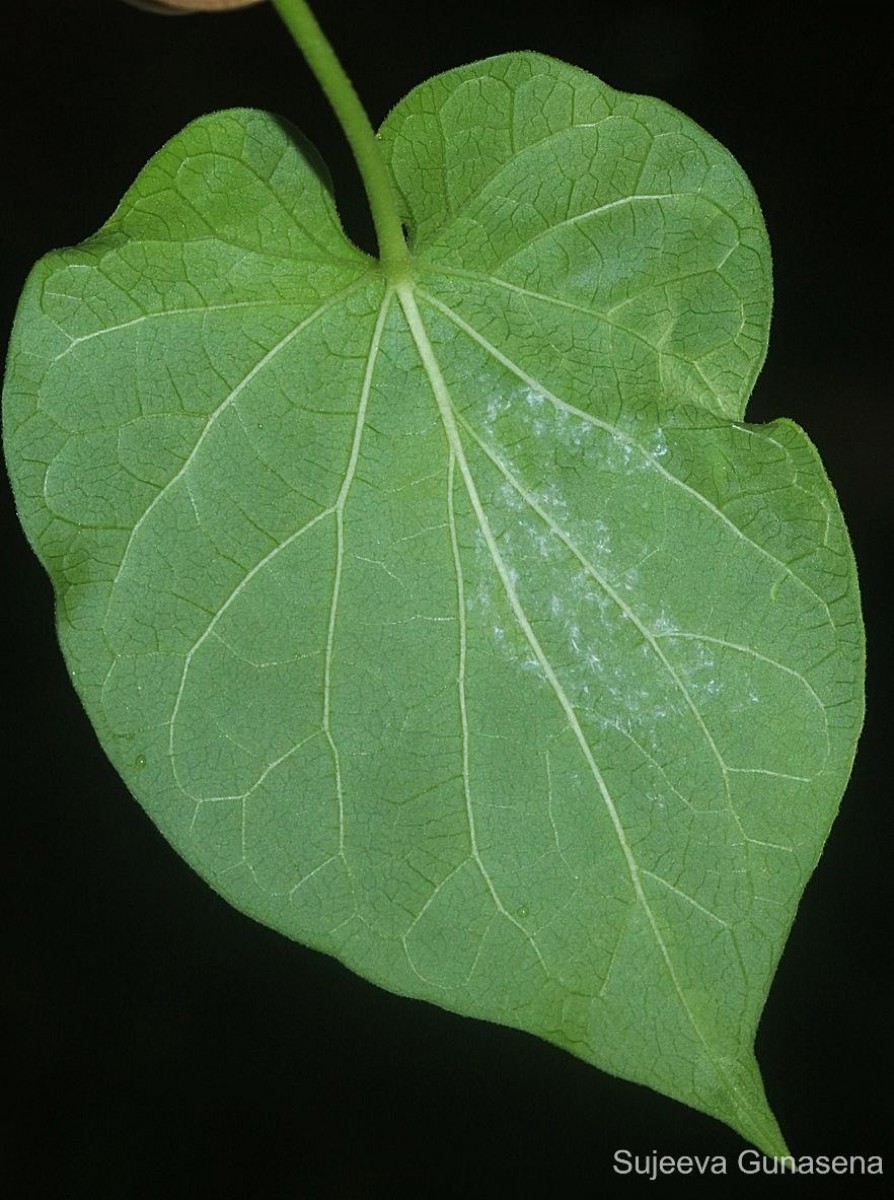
(340, 92)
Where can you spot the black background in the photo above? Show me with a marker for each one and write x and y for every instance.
(163, 1044)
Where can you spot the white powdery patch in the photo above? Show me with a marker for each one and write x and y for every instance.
(533, 399)
(662, 626)
(571, 431)
(562, 570)
(629, 581)
(496, 406)
(698, 672)
(656, 445)
(506, 496)
(551, 501)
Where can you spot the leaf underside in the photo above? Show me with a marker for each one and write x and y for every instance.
(460, 629)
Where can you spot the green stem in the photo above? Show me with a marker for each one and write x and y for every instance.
(339, 90)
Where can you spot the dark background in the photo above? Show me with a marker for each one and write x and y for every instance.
(163, 1044)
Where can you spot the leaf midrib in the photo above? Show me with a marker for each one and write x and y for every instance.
(441, 394)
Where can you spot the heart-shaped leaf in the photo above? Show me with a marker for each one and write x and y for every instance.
(455, 624)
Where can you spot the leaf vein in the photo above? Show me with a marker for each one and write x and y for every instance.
(621, 436)
(215, 416)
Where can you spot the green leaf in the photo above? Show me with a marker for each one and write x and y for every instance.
(459, 627)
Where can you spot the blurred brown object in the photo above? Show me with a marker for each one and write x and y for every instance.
(173, 8)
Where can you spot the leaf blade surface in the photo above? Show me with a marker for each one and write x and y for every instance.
(459, 628)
